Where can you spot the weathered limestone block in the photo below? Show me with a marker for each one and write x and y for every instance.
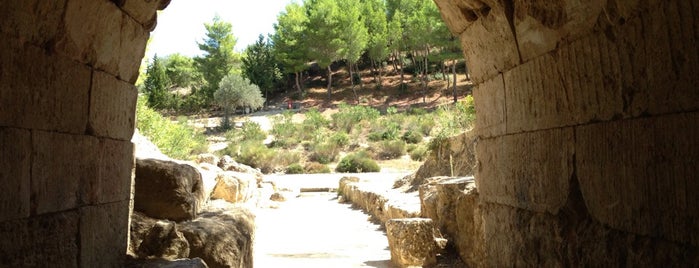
(542, 25)
(658, 60)
(529, 170)
(452, 204)
(457, 14)
(133, 39)
(15, 153)
(234, 187)
(168, 190)
(209, 174)
(208, 158)
(640, 175)
(163, 240)
(63, 168)
(41, 91)
(489, 101)
(104, 234)
(222, 236)
(39, 241)
(489, 34)
(19, 19)
(412, 242)
(228, 164)
(143, 11)
(116, 170)
(100, 34)
(517, 238)
(112, 106)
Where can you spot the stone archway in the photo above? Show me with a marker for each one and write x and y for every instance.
(587, 122)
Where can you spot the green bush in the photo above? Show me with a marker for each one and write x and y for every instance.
(316, 168)
(357, 163)
(340, 139)
(294, 168)
(177, 140)
(385, 130)
(314, 119)
(324, 153)
(392, 149)
(250, 131)
(419, 153)
(412, 137)
(349, 116)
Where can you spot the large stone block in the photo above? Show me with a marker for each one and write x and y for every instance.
(543, 25)
(62, 166)
(133, 42)
(100, 34)
(49, 240)
(143, 11)
(40, 91)
(489, 44)
(529, 171)
(640, 175)
(15, 167)
(457, 14)
(116, 170)
(112, 107)
(412, 242)
(489, 100)
(33, 21)
(104, 233)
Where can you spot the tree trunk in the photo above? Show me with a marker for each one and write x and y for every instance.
(395, 65)
(361, 82)
(298, 85)
(402, 74)
(354, 91)
(453, 70)
(330, 82)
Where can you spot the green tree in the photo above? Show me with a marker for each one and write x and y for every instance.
(377, 27)
(288, 39)
(156, 85)
(259, 65)
(353, 34)
(181, 71)
(236, 91)
(219, 58)
(323, 29)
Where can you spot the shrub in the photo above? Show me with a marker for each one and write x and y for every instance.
(257, 155)
(356, 163)
(316, 168)
(392, 149)
(250, 131)
(349, 116)
(177, 140)
(412, 137)
(315, 120)
(294, 168)
(383, 130)
(339, 139)
(324, 153)
(419, 153)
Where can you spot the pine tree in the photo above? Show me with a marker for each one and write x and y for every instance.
(376, 22)
(354, 35)
(219, 59)
(156, 84)
(289, 35)
(323, 28)
(259, 65)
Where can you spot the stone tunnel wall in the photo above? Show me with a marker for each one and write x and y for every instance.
(588, 129)
(67, 105)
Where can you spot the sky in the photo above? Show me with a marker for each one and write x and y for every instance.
(181, 24)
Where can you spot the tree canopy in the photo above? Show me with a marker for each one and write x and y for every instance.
(219, 57)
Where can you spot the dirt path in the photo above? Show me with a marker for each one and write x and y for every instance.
(314, 230)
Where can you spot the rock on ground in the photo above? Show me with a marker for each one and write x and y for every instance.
(168, 190)
(234, 187)
(452, 203)
(412, 242)
(157, 239)
(222, 235)
(228, 164)
(160, 263)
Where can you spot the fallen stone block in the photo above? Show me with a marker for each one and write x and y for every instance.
(412, 242)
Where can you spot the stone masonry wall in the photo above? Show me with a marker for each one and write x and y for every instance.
(67, 104)
(588, 126)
